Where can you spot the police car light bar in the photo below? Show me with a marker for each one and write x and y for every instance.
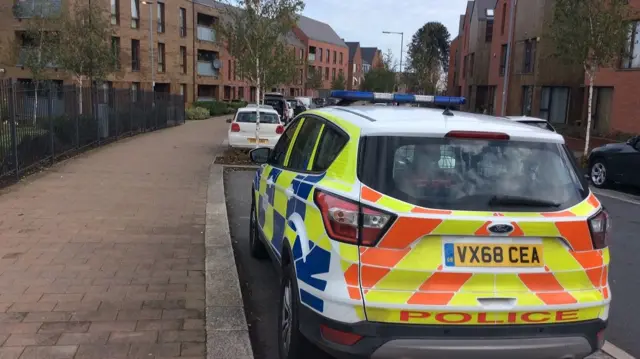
(396, 97)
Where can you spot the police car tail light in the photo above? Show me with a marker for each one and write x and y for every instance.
(235, 127)
(344, 220)
(477, 135)
(280, 129)
(599, 226)
(338, 336)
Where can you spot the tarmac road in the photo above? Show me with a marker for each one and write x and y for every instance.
(260, 285)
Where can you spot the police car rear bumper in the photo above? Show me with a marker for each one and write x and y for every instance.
(383, 340)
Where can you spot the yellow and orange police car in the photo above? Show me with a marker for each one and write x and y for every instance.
(405, 232)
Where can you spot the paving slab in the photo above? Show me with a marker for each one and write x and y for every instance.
(103, 255)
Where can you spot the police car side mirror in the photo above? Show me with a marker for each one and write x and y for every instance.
(260, 155)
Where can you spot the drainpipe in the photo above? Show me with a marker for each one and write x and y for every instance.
(507, 70)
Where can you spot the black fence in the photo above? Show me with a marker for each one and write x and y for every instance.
(43, 125)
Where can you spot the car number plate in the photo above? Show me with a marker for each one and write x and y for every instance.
(493, 255)
(253, 140)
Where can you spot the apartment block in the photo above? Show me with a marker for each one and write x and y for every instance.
(371, 58)
(326, 52)
(537, 84)
(188, 55)
(616, 105)
(355, 74)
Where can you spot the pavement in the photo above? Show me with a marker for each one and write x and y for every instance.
(102, 256)
(260, 283)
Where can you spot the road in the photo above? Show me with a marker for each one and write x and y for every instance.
(260, 283)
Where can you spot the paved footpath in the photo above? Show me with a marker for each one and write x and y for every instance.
(103, 256)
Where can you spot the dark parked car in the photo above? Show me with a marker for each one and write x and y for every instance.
(279, 103)
(616, 163)
(297, 105)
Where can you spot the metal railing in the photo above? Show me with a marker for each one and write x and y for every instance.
(43, 127)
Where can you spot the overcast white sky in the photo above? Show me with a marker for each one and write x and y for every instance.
(364, 20)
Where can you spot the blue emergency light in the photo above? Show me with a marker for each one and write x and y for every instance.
(396, 97)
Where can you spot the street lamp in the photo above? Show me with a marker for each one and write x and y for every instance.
(401, 44)
(153, 73)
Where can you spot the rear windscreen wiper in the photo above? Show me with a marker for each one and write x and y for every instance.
(504, 200)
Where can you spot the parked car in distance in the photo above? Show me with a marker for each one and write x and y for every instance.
(306, 101)
(533, 121)
(615, 163)
(319, 101)
(242, 132)
(280, 104)
(296, 106)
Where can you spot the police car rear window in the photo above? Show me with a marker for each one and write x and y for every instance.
(476, 175)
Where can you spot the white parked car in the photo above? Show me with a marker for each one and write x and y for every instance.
(242, 132)
(533, 121)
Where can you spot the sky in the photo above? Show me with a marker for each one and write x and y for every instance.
(364, 20)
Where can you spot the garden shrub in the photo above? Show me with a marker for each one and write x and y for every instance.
(197, 113)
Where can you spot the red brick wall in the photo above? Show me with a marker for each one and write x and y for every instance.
(454, 66)
(499, 38)
(357, 60)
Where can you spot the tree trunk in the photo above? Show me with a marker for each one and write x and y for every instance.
(591, 76)
(258, 85)
(79, 96)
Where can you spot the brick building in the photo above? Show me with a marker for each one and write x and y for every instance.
(189, 57)
(371, 58)
(538, 85)
(326, 51)
(355, 73)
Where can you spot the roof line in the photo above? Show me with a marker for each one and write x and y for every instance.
(355, 113)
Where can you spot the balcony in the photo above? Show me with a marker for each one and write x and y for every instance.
(312, 57)
(24, 9)
(28, 55)
(206, 33)
(205, 68)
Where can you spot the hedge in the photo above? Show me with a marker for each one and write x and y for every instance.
(218, 108)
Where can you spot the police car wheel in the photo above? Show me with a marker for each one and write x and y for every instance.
(291, 343)
(256, 246)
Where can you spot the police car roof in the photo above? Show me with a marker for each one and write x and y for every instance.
(411, 121)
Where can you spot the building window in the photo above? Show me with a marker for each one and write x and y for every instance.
(135, 90)
(341, 58)
(471, 63)
(504, 18)
(182, 21)
(326, 73)
(632, 58)
(488, 36)
(183, 59)
(301, 54)
(300, 76)
(135, 14)
(241, 93)
(320, 51)
(160, 17)
(527, 99)
(529, 56)
(161, 57)
(328, 55)
(503, 60)
(115, 47)
(115, 12)
(334, 57)
(333, 73)
(554, 103)
(135, 55)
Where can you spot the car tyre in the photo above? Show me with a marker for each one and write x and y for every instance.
(256, 246)
(598, 173)
(292, 344)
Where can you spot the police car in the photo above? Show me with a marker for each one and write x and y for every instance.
(405, 232)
